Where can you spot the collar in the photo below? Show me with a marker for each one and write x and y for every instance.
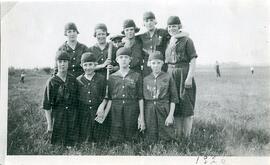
(155, 32)
(118, 73)
(91, 78)
(68, 47)
(106, 46)
(61, 80)
(160, 73)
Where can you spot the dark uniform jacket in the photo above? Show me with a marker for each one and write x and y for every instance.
(75, 55)
(102, 55)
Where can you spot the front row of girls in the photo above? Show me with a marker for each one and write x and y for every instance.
(153, 103)
(77, 110)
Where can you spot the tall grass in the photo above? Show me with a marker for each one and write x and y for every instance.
(231, 118)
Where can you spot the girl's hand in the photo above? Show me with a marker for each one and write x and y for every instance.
(100, 119)
(141, 124)
(100, 111)
(169, 120)
(188, 83)
(110, 67)
(100, 114)
(107, 62)
(49, 128)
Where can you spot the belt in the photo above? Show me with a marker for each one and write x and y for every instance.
(119, 99)
(88, 105)
(158, 100)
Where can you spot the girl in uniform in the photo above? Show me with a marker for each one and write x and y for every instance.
(160, 96)
(60, 102)
(91, 101)
(125, 100)
(74, 49)
(100, 50)
(181, 59)
(154, 39)
(133, 43)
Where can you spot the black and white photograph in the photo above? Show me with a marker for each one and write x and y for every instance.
(135, 82)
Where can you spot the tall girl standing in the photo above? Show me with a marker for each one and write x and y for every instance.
(181, 59)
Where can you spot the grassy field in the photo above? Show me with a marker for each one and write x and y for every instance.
(231, 118)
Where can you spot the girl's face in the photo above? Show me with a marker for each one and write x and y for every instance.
(72, 35)
(62, 65)
(89, 67)
(150, 24)
(156, 65)
(123, 60)
(101, 36)
(129, 32)
(173, 29)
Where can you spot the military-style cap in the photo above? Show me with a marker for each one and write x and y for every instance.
(148, 15)
(156, 55)
(62, 55)
(115, 37)
(88, 57)
(70, 26)
(173, 20)
(130, 23)
(123, 51)
(101, 26)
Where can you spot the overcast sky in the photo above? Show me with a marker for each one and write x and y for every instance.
(227, 31)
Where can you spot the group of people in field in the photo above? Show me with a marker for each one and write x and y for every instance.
(134, 86)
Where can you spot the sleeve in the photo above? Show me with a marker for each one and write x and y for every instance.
(190, 49)
(173, 91)
(48, 96)
(139, 87)
(139, 37)
(114, 49)
(90, 49)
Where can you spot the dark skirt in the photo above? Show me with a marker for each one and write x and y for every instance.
(89, 129)
(63, 125)
(187, 96)
(124, 115)
(156, 113)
